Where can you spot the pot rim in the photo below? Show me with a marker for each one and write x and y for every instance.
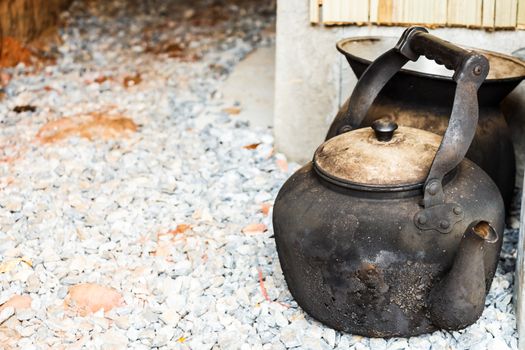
(516, 60)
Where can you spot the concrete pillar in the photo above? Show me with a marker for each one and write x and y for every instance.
(307, 80)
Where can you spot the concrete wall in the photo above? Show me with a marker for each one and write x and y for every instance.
(313, 79)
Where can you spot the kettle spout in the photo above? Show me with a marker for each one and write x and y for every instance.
(458, 299)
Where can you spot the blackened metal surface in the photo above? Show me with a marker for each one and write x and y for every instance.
(441, 217)
(360, 264)
(368, 87)
(453, 307)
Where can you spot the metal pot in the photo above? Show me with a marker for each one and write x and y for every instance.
(390, 231)
(421, 96)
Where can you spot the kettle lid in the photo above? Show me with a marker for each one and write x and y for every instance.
(383, 157)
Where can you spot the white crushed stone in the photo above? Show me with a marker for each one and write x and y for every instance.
(90, 211)
(6, 313)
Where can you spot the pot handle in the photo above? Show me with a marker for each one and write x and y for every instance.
(470, 70)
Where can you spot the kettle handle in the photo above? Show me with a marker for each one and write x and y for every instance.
(470, 70)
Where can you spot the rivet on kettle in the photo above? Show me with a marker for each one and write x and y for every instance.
(457, 210)
(444, 224)
(422, 219)
(477, 70)
(433, 188)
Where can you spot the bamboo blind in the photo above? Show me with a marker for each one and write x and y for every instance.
(488, 14)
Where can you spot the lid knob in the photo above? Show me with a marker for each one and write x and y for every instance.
(384, 129)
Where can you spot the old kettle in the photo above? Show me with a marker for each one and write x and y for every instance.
(390, 231)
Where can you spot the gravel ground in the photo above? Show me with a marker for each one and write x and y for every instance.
(136, 209)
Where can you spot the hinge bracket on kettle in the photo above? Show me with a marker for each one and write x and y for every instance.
(441, 217)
